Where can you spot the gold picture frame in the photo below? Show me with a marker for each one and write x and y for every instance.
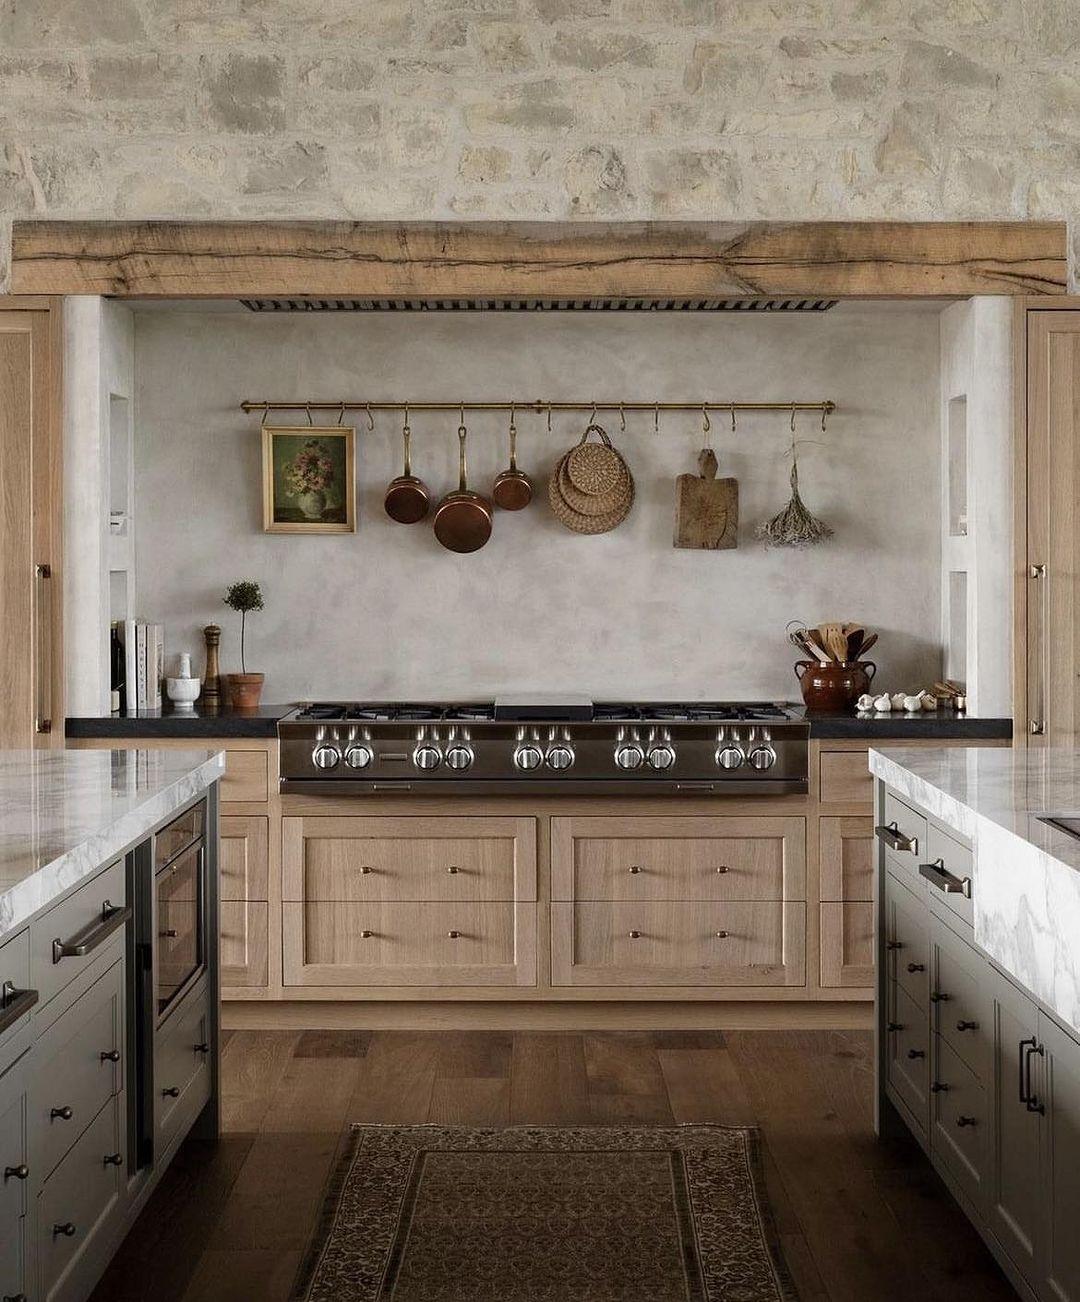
(309, 478)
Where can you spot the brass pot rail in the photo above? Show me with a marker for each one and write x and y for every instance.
(542, 407)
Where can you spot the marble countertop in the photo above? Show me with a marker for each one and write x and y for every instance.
(1026, 889)
(64, 813)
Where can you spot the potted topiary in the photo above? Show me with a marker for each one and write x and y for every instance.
(244, 689)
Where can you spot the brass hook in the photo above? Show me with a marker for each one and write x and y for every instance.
(793, 418)
(513, 425)
(461, 416)
(733, 424)
(341, 415)
(706, 424)
(266, 413)
(592, 417)
(309, 420)
(370, 419)
(405, 425)
(824, 416)
(622, 416)
(549, 418)
(656, 419)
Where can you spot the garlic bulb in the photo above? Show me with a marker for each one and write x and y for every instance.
(898, 699)
(865, 702)
(883, 702)
(913, 702)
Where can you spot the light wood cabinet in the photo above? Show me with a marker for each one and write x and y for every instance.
(847, 944)
(844, 777)
(31, 525)
(847, 858)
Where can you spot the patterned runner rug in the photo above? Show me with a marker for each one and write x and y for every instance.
(545, 1214)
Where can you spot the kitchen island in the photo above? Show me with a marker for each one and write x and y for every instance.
(978, 990)
(108, 998)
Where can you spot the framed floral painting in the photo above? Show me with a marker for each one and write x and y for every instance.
(309, 479)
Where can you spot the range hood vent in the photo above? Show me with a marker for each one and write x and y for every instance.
(538, 305)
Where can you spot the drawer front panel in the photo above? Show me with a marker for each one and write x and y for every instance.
(13, 1269)
(962, 1015)
(624, 944)
(244, 939)
(847, 945)
(678, 858)
(78, 915)
(179, 834)
(960, 1131)
(15, 973)
(247, 776)
(244, 858)
(14, 1143)
(180, 1062)
(472, 943)
(908, 1054)
(357, 859)
(79, 1197)
(910, 825)
(907, 941)
(847, 858)
(75, 1073)
(956, 860)
(846, 778)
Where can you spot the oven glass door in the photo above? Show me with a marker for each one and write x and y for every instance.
(180, 933)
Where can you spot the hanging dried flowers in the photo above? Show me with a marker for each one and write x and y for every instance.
(795, 525)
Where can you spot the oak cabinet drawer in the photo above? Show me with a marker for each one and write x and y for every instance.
(960, 1129)
(697, 858)
(845, 778)
(907, 941)
(405, 943)
(244, 858)
(79, 1064)
(247, 776)
(15, 989)
(14, 1143)
(182, 1064)
(79, 1198)
(244, 939)
(847, 945)
(846, 848)
(907, 1054)
(947, 868)
(741, 943)
(372, 860)
(89, 919)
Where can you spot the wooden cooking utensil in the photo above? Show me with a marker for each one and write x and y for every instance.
(706, 508)
(512, 490)
(407, 499)
(462, 520)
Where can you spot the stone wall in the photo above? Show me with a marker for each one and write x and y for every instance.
(703, 109)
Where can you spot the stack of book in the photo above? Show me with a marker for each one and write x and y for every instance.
(144, 665)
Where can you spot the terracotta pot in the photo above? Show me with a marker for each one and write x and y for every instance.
(833, 688)
(245, 690)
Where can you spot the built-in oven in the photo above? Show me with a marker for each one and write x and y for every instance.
(179, 908)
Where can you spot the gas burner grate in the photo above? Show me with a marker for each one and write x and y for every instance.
(703, 712)
(396, 712)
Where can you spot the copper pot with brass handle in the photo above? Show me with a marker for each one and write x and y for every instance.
(462, 520)
(512, 490)
(407, 499)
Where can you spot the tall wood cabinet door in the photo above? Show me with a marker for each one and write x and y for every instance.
(1058, 1085)
(1015, 1193)
(31, 664)
(1053, 528)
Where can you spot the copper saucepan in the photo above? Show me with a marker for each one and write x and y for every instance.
(512, 490)
(407, 499)
(462, 520)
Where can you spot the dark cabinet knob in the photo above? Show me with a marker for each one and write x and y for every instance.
(64, 1114)
(916, 1053)
(170, 933)
(201, 1048)
(961, 1025)
(894, 944)
(15, 1297)
(916, 967)
(939, 998)
(172, 1092)
(939, 1087)
(112, 1055)
(894, 1026)
(67, 1229)
(965, 1121)
(20, 1172)
(113, 1159)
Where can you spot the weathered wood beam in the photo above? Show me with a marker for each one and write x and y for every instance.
(539, 260)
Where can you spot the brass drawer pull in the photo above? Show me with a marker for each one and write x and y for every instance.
(170, 933)
(67, 1229)
(366, 935)
(110, 1055)
(453, 870)
(366, 868)
(454, 935)
(171, 1092)
(634, 935)
(634, 868)
(916, 967)
(963, 1025)
(895, 839)
(14, 1004)
(62, 1114)
(20, 1172)
(97, 933)
(938, 875)
(721, 935)
(916, 1053)
(113, 1159)
(723, 868)
(965, 1121)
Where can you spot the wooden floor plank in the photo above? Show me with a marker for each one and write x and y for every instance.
(314, 1094)
(396, 1079)
(252, 1064)
(470, 1101)
(704, 1085)
(548, 1082)
(253, 1275)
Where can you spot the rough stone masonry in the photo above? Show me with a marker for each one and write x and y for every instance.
(703, 109)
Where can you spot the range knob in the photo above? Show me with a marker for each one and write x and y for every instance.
(661, 756)
(762, 757)
(459, 756)
(325, 756)
(528, 756)
(629, 755)
(358, 755)
(559, 756)
(427, 756)
(729, 754)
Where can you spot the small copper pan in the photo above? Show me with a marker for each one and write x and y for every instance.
(407, 499)
(512, 490)
(462, 520)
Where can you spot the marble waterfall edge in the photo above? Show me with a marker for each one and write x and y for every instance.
(1026, 888)
(66, 813)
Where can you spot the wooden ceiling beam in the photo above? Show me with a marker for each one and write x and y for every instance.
(411, 260)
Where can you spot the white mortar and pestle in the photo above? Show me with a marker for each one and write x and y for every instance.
(183, 690)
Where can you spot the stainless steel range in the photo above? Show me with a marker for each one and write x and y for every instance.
(567, 746)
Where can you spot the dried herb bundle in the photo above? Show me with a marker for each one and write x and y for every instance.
(794, 526)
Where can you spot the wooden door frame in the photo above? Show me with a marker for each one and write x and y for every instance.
(650, 261)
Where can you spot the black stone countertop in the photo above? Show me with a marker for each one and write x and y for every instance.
(198, 722)
(898, 725)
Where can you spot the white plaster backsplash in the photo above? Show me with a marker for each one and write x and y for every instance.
(387, 613)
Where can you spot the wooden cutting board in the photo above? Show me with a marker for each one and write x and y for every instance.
(706, 508)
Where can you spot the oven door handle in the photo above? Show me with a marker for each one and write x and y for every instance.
(91, 937)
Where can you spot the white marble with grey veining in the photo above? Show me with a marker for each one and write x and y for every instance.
(1026, 882)
(65, 813)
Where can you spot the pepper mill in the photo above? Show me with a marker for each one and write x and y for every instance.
(212, 678)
